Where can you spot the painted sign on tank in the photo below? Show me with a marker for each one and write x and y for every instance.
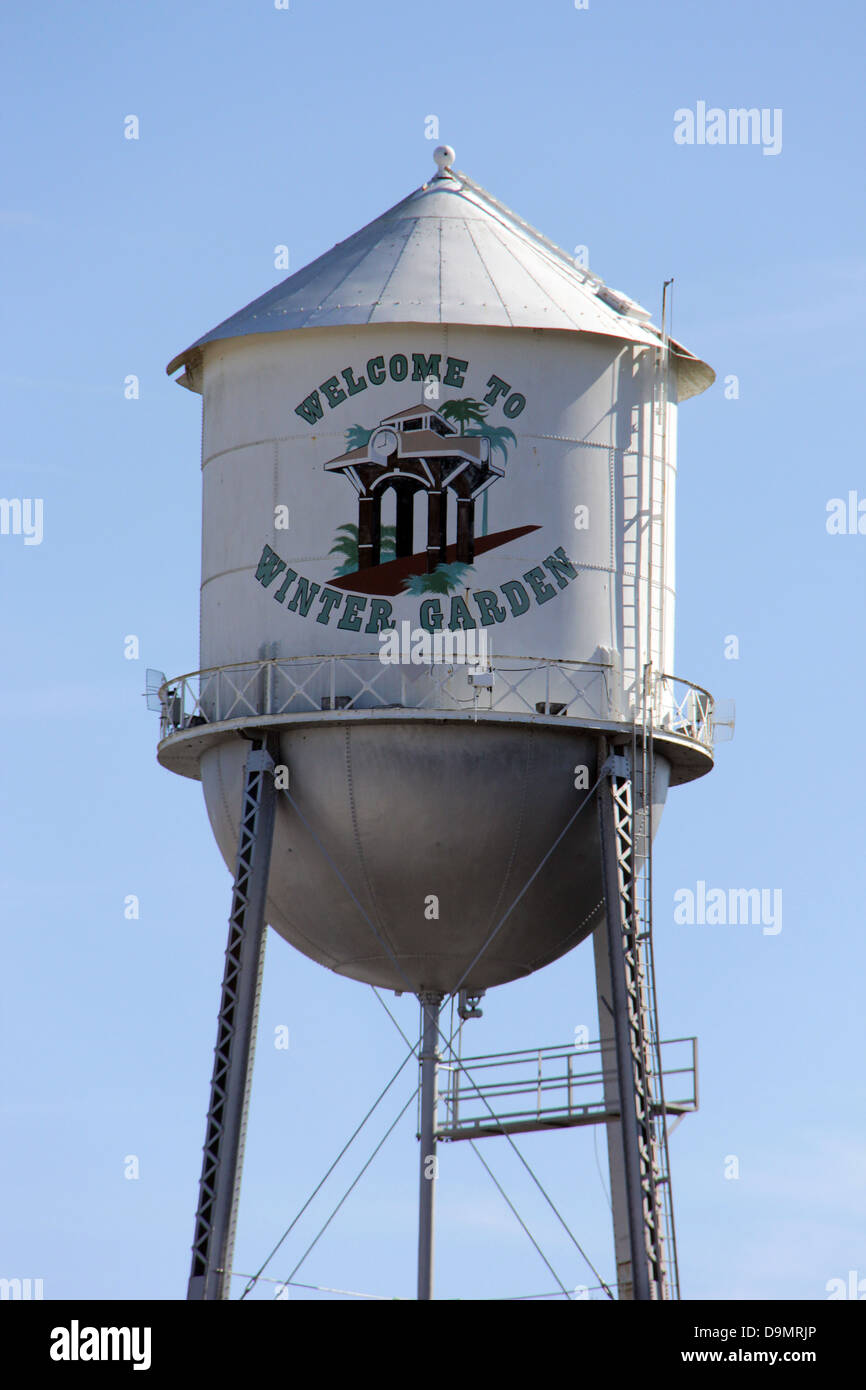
(442, 457)
(461, 481)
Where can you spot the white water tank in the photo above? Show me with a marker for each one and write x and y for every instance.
(441, 426)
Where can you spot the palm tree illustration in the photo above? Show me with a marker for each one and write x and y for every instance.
(500, 436)
(444, 579)
(357, 437)
(464, 412)
(347, 546)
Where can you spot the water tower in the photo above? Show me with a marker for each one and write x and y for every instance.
(435, 719)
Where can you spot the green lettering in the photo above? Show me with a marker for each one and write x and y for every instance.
(310, 409)
(454, 373)
(517, 596)
(376, 370)
(423, 367)
(333, 391)
(288, 577)
(303, 596)
(460, 615)
(561, 568)
(514, 405)
(354, 607)
(328, 597)
(380, 616)
(269, 566)
(535, 578)
(431, 615)
(398, 367)
(354, 386)
(498, 388)
(491, 611)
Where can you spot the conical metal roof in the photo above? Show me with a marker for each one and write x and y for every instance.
(449, 253)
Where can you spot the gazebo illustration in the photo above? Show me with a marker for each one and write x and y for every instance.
(418, 450)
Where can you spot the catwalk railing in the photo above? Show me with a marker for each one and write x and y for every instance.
(520, 686)
(548, 1088)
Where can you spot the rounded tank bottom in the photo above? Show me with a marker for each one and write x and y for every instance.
(428, 856)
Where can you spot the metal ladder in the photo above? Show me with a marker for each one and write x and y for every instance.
(644, 490)
(626, 815)
(632, 468)
(643, 765)
(643, 762)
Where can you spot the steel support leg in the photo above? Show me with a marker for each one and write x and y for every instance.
(631, 1036)
(219, 1189)
(430, 1005)
(613, 1128)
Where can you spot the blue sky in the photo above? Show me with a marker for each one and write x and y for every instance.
(260, 127)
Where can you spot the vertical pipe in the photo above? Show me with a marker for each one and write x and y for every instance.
(430, 1005)
(661, 658)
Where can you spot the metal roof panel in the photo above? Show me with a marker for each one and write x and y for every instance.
(448, 253)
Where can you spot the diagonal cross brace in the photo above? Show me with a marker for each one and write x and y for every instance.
(634, 1072)
(222, 1162)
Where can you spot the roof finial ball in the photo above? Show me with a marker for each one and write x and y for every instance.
(444, 157)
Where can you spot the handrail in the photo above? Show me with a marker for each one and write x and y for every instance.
(536, 1089)
(330, 683)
